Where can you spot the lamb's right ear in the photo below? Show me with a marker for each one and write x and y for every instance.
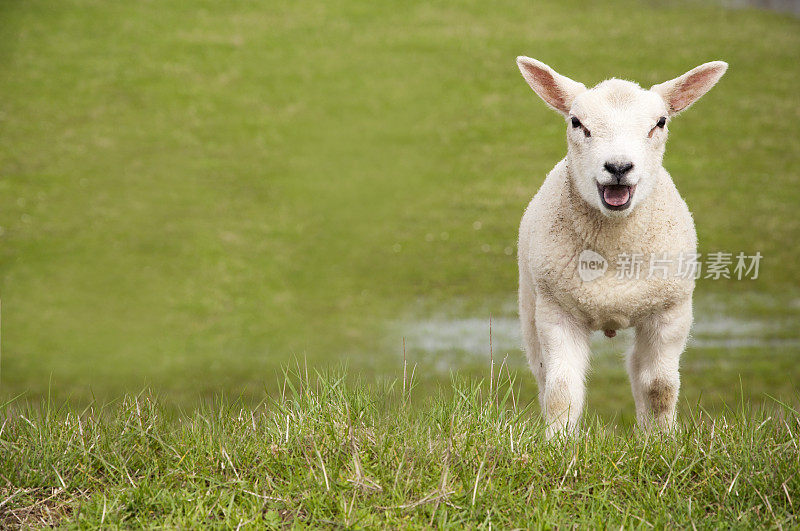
(556, 90)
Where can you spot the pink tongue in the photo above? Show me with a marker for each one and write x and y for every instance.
(616, 195)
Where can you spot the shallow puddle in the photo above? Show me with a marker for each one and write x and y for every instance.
(446, 342)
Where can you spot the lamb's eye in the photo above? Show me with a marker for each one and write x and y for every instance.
(577, 123)
(659, 125)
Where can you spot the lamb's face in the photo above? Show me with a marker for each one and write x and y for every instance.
(616, 134)
(616, 131)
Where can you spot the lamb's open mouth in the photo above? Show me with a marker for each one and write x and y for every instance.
(616, 196)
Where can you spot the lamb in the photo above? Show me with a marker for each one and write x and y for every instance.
(609, 199)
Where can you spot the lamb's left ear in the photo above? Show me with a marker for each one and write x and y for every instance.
(682, 91)
(556, 90)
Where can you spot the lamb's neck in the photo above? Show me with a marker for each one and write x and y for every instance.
(596, 231)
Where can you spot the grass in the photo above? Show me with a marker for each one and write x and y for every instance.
(192, 195)
(189, 197)
(330, 452)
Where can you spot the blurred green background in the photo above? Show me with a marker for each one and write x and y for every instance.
(193, 194)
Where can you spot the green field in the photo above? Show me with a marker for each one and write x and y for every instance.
(195, 196)
(191, 197)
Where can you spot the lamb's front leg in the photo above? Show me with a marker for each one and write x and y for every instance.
(653, 365)
(564, 344)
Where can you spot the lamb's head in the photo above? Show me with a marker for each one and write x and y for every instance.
(617, 131)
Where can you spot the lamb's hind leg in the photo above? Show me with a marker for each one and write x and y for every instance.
(653, 365)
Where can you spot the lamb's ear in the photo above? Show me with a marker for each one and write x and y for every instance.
(682, 91)
(556, 90)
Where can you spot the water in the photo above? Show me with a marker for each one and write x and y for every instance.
(445, 342)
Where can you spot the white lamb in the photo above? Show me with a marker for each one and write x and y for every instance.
(610, 195)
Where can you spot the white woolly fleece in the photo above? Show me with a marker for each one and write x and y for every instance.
(558, 225)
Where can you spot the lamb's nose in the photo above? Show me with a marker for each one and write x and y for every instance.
(618, 169)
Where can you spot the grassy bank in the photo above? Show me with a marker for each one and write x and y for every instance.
(329, 452)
